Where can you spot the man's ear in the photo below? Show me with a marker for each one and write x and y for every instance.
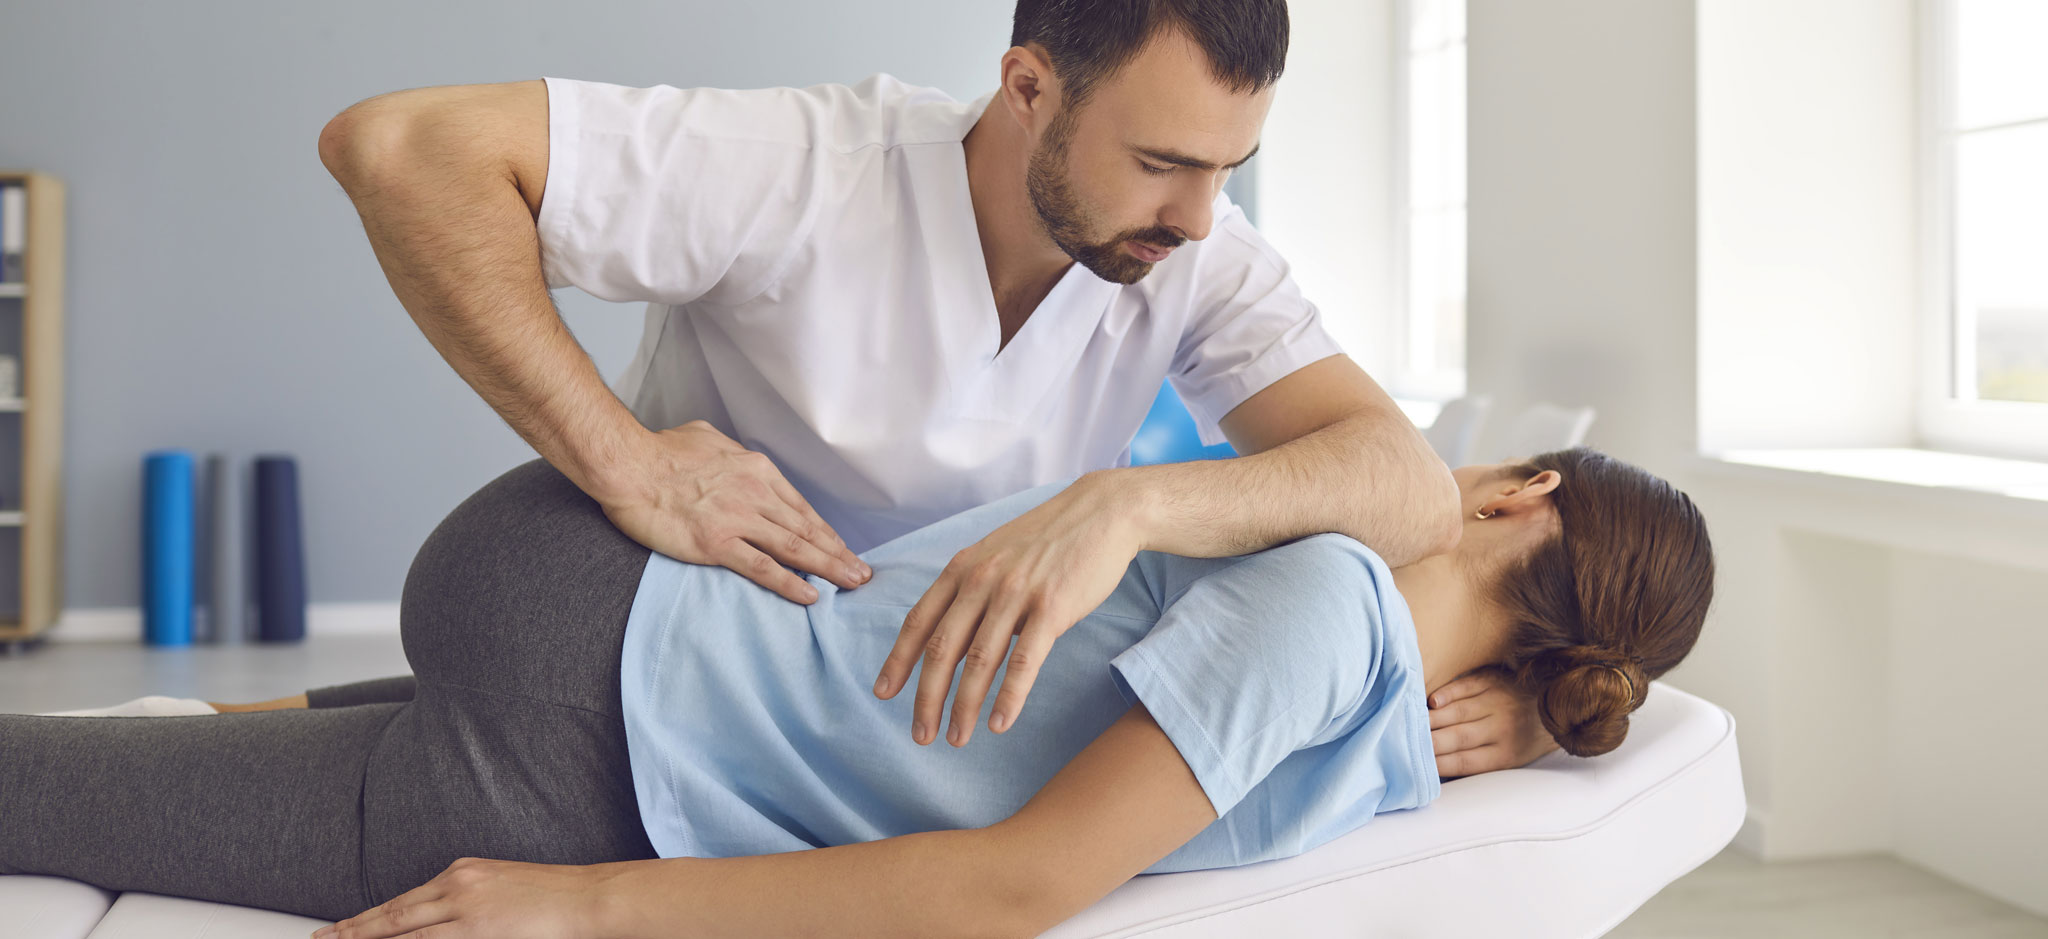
(1029, 91)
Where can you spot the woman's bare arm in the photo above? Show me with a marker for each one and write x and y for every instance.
(1120, 805)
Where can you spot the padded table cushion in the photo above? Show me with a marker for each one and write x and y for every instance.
(50, 907)
(1562, 847)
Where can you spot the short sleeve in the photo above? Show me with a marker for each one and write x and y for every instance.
(670, 195)
(1251, 326)
(1254, 661)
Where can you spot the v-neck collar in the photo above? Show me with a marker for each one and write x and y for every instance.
(1006, 384)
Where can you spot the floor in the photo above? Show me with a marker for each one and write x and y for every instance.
(1732, 895)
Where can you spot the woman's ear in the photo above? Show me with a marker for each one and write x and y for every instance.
(1523, 495)
(1542, 483)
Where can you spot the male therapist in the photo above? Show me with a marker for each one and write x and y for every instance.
(871, 307)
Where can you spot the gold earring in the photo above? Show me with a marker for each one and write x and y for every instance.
(1482, 514)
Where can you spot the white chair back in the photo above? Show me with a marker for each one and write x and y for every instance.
(1546, 427)
(1456, 427)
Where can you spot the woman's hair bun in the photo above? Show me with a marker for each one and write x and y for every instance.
(1584, 695)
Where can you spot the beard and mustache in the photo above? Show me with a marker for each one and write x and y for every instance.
(1063, 218)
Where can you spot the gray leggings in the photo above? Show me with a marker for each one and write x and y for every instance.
(506, 742)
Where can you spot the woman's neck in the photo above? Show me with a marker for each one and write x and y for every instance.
(1456, 630)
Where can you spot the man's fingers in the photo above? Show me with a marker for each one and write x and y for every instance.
(784, 544)
(985, 653)
(839, 566)
(796, 501)
(910, 639)
(1033, 644)
(941, 653)
(745, 560)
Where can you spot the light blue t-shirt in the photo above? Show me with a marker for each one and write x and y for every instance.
(1288, 678)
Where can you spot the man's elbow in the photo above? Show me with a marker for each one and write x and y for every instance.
(359, 134)
(1450, 521)
(1441, 522)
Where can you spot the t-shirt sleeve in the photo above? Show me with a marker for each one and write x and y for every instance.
(670, 194)
(1254, 661)
(1251, 325)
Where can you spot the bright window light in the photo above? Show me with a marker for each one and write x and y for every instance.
(1433, 329)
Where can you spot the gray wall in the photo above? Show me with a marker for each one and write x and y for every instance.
(221, 294)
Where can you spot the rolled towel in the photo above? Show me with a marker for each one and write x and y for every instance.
(155, 705)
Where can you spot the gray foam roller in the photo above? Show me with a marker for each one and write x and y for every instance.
(226, 614)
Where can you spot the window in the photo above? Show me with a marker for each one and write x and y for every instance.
(1430, 187)
(1985, 173)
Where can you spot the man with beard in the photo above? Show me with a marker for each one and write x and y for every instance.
(872, 306)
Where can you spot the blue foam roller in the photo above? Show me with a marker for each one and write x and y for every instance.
(280, 552)
(167, 548)
(1169, 435)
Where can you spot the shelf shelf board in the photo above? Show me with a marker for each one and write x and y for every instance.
(10, 518)
(12, 404)
(13, 290)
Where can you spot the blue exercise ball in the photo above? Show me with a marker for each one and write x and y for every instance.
(1168, 434)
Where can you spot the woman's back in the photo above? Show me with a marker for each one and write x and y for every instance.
(1288, 679)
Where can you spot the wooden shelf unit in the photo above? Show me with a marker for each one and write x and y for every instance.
(40, 519)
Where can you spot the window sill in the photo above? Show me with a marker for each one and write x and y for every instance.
(1986, 508)
(2018, 480)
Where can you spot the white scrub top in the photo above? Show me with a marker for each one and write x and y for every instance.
(816, 290)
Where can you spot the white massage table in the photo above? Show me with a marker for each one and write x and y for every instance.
(1562, 847)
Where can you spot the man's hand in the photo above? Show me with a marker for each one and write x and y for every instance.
(1037, 575)
(489, 899)
(696, 495)
(1479, 724)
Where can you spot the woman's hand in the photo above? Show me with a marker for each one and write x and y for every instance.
(1031, 579)
(696, 495)
(490, 899)
(1479, 724)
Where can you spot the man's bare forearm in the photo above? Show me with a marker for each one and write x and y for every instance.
(458, 243)
(1363, 476)
(952, 883)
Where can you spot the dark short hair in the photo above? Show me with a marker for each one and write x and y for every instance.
(1088, 40)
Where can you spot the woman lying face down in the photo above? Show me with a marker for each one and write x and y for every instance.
(1580, 577)
(600, 733)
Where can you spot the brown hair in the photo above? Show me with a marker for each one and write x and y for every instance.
(1622, 590)
(1089, 40)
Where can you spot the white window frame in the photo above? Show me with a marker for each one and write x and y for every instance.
(1945, 422)
(1404, 379)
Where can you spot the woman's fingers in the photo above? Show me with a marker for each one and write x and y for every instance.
(415, 909)
(1460, 711)
(747, 561)
(1464, 686)
(1461, 737)
(985, 653)
(1469, 762)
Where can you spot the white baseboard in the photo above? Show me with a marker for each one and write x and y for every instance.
(124, 624)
